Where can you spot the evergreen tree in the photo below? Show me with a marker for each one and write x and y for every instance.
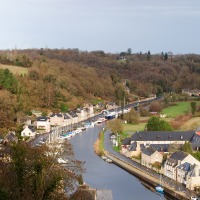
(187, 148)
(193, 107)
(148, 55)
(166, 56)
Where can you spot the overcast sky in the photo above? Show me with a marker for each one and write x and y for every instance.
(108, 25)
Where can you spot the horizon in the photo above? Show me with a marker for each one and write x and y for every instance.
(109, 25)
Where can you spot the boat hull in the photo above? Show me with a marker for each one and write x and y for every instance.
(159, 189)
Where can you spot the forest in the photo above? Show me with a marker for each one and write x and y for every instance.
(65, 79)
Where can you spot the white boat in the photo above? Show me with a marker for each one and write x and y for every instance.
(159, 188)
(108, 160)
(101, 120)
(104, 157)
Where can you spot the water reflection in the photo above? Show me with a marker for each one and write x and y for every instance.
(102, 175)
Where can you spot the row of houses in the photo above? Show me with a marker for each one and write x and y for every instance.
(45, 124)
(153, 145)
(193, 92)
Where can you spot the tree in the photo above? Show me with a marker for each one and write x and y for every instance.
(115, 126)
(131, 117)
(157, 124)
(129, 51)
(36, 174)
(155, 107)
(197, 155)
(143, 112)
(193, 107)
(148, 55)
(187, 148)
(166, 56)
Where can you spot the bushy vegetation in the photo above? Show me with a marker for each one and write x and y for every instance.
(157, 124)
(34, 173)
(64, 79)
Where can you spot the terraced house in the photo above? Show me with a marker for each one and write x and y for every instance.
(159, 140)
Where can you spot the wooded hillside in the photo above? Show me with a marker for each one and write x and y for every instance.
(61, 79)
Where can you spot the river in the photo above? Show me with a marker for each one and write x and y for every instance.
(102, 175)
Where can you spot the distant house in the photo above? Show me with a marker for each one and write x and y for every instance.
(56, 119)
(82, 114)
(10, 138)
(181, 166)
(29, 131)
(67, 119)
(37, 113)
(150, 156)
(73, 116)
(43, 123)
(194, 92)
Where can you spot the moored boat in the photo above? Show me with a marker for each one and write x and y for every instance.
(159, 188)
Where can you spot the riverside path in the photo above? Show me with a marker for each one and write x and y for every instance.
(175, 189)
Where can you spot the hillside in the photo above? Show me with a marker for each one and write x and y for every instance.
(62, 79)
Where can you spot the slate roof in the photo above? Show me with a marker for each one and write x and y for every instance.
(73, 113)
(133, 146)
(178, 155)
(160, 147)
(185, 166)
(11, 137)
(42, 119)
(195, 142)
(66, 116)
(56, 114)
(126, 141)
(192, 170)
(162, 136)
(149, 151)
(32, 128)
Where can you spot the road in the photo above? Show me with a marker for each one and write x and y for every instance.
(177, 186)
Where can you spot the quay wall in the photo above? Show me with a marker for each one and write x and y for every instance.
(147, 179)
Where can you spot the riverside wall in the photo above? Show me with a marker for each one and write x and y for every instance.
(147, 180)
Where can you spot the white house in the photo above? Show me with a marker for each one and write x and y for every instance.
(29, 131)
(193, 178)
(43, 123)
(183, 168)
(56, 119)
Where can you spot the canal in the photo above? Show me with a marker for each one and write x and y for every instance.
(102, 175)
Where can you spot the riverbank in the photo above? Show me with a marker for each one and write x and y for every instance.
(147, 178)
(150, 180)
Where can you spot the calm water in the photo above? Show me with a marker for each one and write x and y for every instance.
(102, 175)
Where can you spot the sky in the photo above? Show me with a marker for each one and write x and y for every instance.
(112, 26)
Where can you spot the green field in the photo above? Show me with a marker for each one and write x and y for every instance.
(179, 109)
(130, 128)
(15, 69)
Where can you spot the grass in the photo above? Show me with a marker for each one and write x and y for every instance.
(179, 109)
(130, 128)
(101, 145)
(15, 69)
(191, 124)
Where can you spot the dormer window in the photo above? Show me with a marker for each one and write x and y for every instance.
(157, 136)
(140, 136)
(181, 137)
(169, 136)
